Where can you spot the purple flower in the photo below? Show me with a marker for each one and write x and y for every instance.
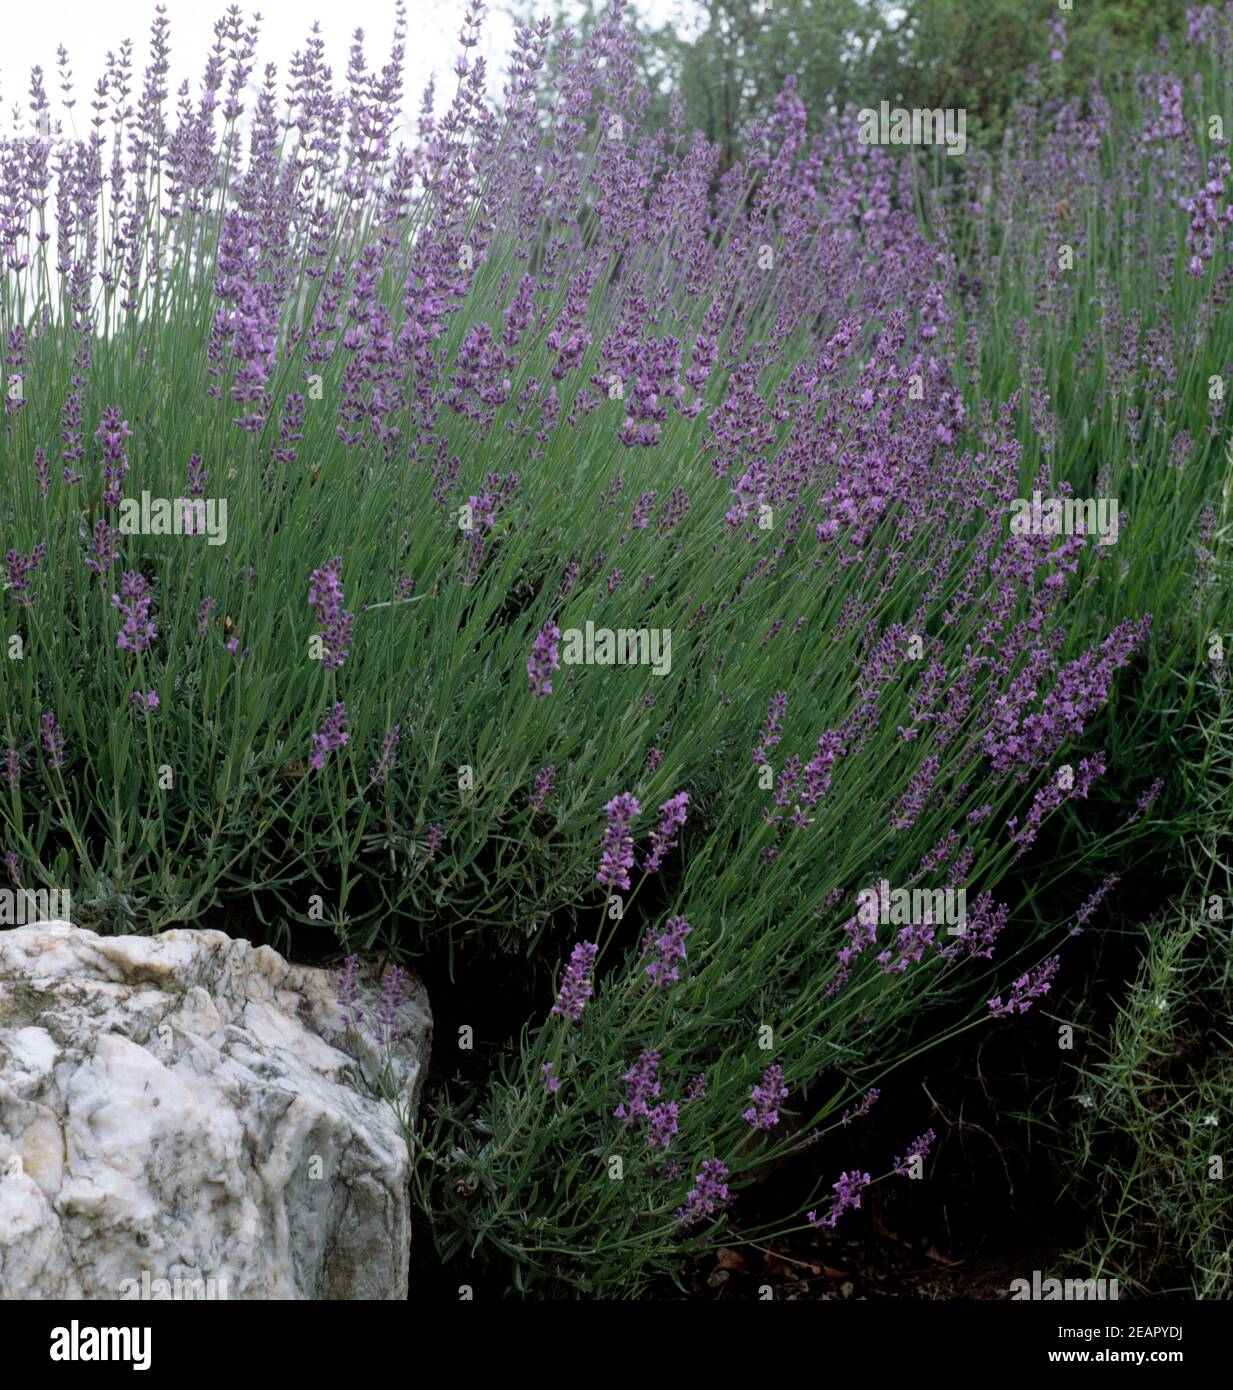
(913, 800)
(1145, 800)
(641, 516)
(1090, 906)
(910, 945)
(709, 1191)
(1057, 32)
(203, 615)
(696, 1088)
(385, 756)
(662, 1125)
(1051, 796)
(553, 1083)
(542, 787)
(392, 991)
(1025, 989)
(918, 1148)
(133, 601)
(867, 1102)
(18, 568)
(433, 841)
(103, 551)
(325, 597)
(348, 990)
(671, 818)
(816, 778)
(847, 1194)
(12, 768)
(197, 476)
(332, 737)
(669, 948)
(576, 986)
(143, 700)
(641, 1087)
(543, 661)
(767, 1096)
(53, 741)
(112, 432)
(13, 865)
(772, 728)
(617, 856)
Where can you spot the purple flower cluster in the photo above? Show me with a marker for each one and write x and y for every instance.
(543, 660)
(1208, 220)
(847, 1196)
(18, 568)
(913, 800)
(918, 1148)
(393, 987)
(671, 819)
(767, 1096)
(641, 1088)
(111, 433)
(53, 741)
(348, 991)
(772, 728)
(669, 949)
(133, 601)
(709, 1192)
(325, 597)
(1144, 803)
(542, 787)
(332, 736)
(1089, 907)
(617, 855)
(576, 987)
(104, 552)
(1029, 987)
(866, 1104)
(379, 771)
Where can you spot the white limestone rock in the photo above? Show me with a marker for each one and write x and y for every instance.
(190, 1107)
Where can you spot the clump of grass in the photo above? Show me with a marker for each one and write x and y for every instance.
(1144, 1122)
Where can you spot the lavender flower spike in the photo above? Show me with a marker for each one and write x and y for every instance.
(847, 1194)
(767, 1096)
(543, 661)
(332, 737)
(1025, 989)
(325, 597)
(576, 986)
(348, 991)
(672, 817)
(617, 857)
(709, 1191)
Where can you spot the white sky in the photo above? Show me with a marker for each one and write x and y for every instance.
(90, 28)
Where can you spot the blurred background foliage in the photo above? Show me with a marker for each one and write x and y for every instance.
(728, 58)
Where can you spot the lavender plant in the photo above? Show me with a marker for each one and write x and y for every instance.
(563, 468)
